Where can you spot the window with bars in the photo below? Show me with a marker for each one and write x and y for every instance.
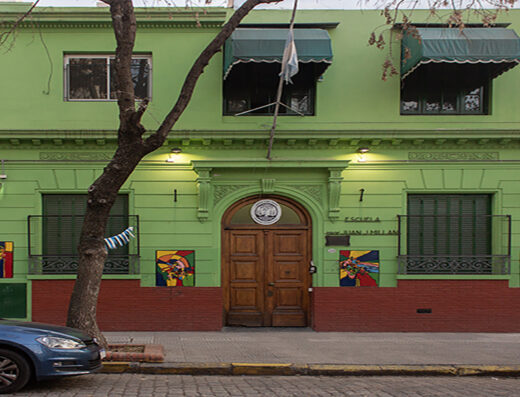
(449, 224)
(453, 234)
(61, 227)
(92, 77)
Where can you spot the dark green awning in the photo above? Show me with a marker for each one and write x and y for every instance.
(499, 48)
(267, 45)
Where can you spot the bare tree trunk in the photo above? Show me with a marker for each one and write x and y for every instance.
(131, 149)
(92, 249)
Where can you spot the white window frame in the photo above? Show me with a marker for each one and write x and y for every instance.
(109, 58)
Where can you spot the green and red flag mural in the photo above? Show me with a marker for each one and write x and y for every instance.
(175, 268)
(358, 268)
(6, 259)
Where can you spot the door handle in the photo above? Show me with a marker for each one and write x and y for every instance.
(270, 284)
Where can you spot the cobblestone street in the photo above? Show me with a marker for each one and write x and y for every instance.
(135, 385)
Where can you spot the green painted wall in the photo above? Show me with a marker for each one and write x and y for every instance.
(351, 96)
(166, 224)
(50, 145)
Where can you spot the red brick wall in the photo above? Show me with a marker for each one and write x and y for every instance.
(125, 306)
(457, 306)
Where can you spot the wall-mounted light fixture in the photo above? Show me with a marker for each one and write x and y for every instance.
(173, 152)
(362, 151)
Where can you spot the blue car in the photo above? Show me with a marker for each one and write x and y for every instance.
(38, 351)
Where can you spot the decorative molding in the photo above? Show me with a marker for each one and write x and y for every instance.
(341, 140)
(453, 156)
(204, 182)
(314, 191)
(266, 212)
(267, 164)
(334, 167)
(335, 180)
(268, 185)
(221, 191)
(108, 25)
(68, 156)
(92, 17)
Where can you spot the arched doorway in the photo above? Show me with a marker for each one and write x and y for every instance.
(265, 263)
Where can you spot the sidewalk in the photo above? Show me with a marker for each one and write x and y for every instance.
(290, 351)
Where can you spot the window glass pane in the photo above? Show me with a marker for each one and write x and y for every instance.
(449, 103)
(254, 85)
(473, 101)
(444, 89)
(140, 77)
(243, 216)
(236, 105)
(300, 101)
(87, 78)
(432, 103)
(409, 97)
(409, 105)
(140, 69)
(289, 216)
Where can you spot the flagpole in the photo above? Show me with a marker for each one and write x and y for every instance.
(280, 89)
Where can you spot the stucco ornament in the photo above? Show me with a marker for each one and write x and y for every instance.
(266, 212)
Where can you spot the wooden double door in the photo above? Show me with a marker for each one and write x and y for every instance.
(266, 275)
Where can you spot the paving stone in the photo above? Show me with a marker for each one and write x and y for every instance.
(130, 385)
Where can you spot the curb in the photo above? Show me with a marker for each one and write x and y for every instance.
(288, 369)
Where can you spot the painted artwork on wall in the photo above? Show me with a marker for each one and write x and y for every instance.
(6, 259)
(358, 268)
(175, 268)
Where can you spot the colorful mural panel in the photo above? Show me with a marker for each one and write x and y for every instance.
(358, 268)
(6, 259)
(175, 268)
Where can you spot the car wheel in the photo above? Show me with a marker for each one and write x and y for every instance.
(14, 371)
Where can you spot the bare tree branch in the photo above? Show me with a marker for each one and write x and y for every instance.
(458, 14)
(156, 140)
(4, 36)
(125, 26)
(130, 151)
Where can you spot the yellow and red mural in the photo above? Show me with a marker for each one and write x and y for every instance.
(6, 259)
(358, 268)
(175, 268)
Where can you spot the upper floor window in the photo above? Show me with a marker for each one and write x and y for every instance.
(253, 86)
(449, 71)
(252, 63)
(92, 77)
(445, 89)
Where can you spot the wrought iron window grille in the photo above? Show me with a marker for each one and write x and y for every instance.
(46, 258)
(426, 245)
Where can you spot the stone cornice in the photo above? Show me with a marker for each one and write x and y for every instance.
(305, 139)
(92, 17)
(263, 163)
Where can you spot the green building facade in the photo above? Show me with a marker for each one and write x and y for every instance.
(420, 232)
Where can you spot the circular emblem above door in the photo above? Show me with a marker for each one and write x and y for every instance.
(266, 212)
